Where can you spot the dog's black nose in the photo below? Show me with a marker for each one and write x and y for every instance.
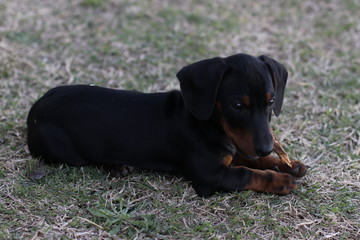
(264, 151)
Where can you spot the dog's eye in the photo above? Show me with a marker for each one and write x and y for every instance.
(237, 104)
(271, 102)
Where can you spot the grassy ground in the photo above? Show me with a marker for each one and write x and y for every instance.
(142, 44)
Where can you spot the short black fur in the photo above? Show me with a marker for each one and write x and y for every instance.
(180, 132)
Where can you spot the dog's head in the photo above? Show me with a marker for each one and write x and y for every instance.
(240, 91)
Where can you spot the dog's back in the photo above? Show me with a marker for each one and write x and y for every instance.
(81, 125)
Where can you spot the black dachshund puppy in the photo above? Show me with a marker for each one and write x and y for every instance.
(221, 114)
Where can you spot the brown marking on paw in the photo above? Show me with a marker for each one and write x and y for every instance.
(271, 182)
(297, 169)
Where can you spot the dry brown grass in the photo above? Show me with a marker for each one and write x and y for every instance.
(141, 44)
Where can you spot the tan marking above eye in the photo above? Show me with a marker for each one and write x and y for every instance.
(268, 97)
(246, 100)
(227, 159)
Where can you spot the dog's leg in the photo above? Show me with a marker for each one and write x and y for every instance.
(298, 169)
(243, 178)
(209, 179)
(53, 146)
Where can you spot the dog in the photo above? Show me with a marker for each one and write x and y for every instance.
(214, 132)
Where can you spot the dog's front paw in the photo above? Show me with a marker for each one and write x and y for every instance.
(272, 182)
(282, 184)
(297, 169)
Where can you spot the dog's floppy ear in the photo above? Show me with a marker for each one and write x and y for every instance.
(199, 83)
(279, 77)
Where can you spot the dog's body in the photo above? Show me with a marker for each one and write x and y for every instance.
(220, 117)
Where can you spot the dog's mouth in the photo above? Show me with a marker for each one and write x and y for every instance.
(242, 153)
(247, 156)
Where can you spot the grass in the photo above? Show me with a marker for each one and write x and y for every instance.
(141, 45)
